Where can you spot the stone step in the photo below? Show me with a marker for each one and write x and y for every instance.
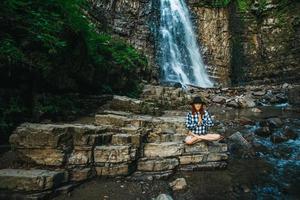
(59, 136)
(114, 160)
(164, 149)
(175, 149)
(143, 175)
(66, 144)
(127, 104)
(144, 121)
(31, 180)
(165, 137)
(123, 139)
(160, 164)
(114, 154)
(115, 169)
(203, 166)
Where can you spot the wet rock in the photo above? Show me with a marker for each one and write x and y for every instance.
(219, 99)
(65, 189)
(263, 131)
(216, 157)
(256, 110)
(163, 197)
(246, 101)
(232, 103)
(217, 147)
(259, 93)
(278, 137)
(30, 180)
(114, 169)
(81, 174)
(245, 188)
(290, 133)
(144, 175)
(145, 164)
(238, 138)
(178, 184)
(191, 159)
(204, 166)
(246, 121)
(197, 147)
(294, 95)
(274, 122)
(285, 85)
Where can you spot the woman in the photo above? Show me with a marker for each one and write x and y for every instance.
(198, 121)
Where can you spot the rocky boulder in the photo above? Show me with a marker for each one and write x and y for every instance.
(178, 184)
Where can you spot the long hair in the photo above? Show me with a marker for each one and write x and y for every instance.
(194, 110)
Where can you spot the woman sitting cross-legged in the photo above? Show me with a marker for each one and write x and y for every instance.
(197, 121)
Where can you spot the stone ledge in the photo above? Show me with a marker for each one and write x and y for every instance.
(58, 136)
(113, 169)
(191, 159)
(114, 154)
(30, 180)
(165, 149)
(145, 164)
(43, 156)
(138, 175)
(204, 166)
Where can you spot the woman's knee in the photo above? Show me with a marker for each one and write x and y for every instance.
(213, 135)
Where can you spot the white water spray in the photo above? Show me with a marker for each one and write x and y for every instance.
(179, 54)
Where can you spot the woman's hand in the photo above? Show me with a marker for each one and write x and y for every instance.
(190, 133)
(200, 119)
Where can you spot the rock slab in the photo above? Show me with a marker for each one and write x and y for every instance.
(30, 180)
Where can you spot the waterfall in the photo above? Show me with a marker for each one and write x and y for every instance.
(179, 55)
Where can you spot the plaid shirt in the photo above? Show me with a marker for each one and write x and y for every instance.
(191, 122)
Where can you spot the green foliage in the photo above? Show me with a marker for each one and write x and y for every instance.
(53, 40)
(10, 52)
(12, 111)
(220, 3)
(243, 5)
(50, 46)
(214, 3)
(56, 107)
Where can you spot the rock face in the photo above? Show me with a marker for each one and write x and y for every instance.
(256, 43)
(132, 21)
(214, 38)
(265, 41)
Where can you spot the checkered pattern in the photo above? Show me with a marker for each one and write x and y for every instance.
(191, 123)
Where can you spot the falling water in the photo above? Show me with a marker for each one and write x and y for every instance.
(180, 58)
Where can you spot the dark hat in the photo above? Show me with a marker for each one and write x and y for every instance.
(198, 99)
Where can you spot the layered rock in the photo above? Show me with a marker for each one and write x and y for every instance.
(120, 143)
(237, 97)
(212, 27)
